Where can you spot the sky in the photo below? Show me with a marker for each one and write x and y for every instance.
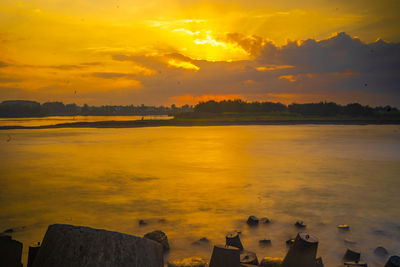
(120, 52)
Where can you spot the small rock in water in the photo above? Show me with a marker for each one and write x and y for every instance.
(343, 227)
(8, 231)
(355, 263)
(271, 262)
(160, 237)
(381, 252)
(394, 261)
(188, 262)
(142, 222)
(201, 241)
(300, 224)
(265, 220)
(248, 257)
(352, 255)
(252, 220)
(349, 241)
(162, 220)
(264, 242)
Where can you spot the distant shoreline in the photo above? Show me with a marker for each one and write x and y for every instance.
(183, 123)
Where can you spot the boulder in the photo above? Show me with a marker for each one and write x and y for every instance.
(10, 252)
(225, 256)
(248, 257)
(252, 220)
(303, 252)
(394, 261)
(352, 255)
(68, 245)
(233, 239)
(381, 252)
(160, 237)
(188, 262)
(271, 262)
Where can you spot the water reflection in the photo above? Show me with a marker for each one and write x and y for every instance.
(205, 181)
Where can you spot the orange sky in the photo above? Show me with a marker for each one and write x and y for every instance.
(164, 52)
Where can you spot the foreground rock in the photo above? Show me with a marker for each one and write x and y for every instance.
(225, 256)
(160, 237)
(188, 262)
(68, 245)
(10, 252)
(271, 262)
(394, 261)
(303, 252)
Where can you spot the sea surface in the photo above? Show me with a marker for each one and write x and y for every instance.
(52, 120)
(194, 182)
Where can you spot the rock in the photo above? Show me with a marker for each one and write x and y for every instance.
(343, 227)
(252, 220)
(202, 241)
(394, 261)
(381, 252)
(9, 231)
(265, 220)
(233, 239)
(352, 255)
(349, 241)
(264, 242)
(248, 257)
(142, 222)
(355, 263)
(188, 262)
(223, 256)
(10, 252)
(33, 251)
(303, 252)
(300, 224)
(68, 245)
(319, 263)
(271, 262)
(160, 237)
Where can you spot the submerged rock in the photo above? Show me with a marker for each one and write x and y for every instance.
(252, 220)
(271, 262)
(68, 245)
(381, 252)
(352, 255)
(233, 239)
(265, 220)
(248, 257)
(142, 222)
(202, 241)
(188, 262)
(300, 224)
(264, 242)
(160, 237)
(349, 241)
(10, 252)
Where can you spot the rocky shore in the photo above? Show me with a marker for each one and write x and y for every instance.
(68, 245)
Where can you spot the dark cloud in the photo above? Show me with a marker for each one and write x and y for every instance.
(112, 75)
(3, 64)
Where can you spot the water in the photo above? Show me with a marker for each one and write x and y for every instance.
(51, 120)
(205, 181)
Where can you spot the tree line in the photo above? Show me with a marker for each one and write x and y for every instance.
(308, 109)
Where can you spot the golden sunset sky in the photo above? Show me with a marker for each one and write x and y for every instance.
(163, 52)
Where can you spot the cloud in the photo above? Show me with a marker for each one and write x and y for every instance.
(3, 64)
(113, 75)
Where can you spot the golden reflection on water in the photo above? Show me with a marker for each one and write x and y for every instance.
(204, 181)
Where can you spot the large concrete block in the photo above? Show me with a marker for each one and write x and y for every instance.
(68, 245)
(10, 252)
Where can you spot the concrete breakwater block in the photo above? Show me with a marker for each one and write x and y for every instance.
(188, 262)
(394, 261)
(248, 257)
(225, 256)
(33, 251)
(160, 237)
(352, 255)
(303, 252)
(271, 262)
(10, 252)
(356, 264)
(68, 245)
(233, 239)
